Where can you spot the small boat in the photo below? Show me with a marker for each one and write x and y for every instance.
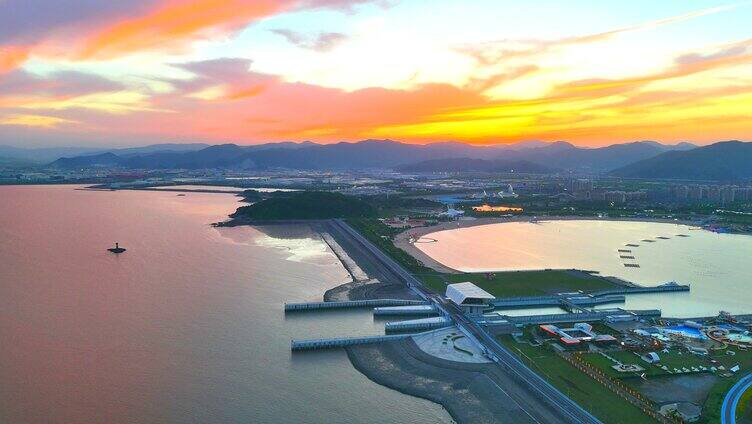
(117, 249)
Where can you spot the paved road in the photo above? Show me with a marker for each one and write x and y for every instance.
(541, 402)
(731, 401)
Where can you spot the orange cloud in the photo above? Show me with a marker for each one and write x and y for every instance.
(34, 121)
(253, 107)
(175, 22)
(243, 93)
(11, 57)
(171, 23)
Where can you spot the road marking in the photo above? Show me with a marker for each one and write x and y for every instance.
(513, 400)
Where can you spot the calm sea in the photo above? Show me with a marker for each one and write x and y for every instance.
(717, 266)
(186, 326)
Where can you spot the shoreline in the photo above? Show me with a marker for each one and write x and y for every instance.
(403, 239)
(468, 392)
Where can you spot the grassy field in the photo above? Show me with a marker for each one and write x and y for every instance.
(588, 393)
(604, 364)
(712, 407)
(503, 284)
(525, 283)
(744, 410)
(671, 360)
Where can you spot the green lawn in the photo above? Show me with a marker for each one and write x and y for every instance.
(588, 393)
(604, 364)
(712, 407)
(671, 360)
(744, 410)
(523, 283)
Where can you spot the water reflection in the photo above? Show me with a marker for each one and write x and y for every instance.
(716, 266)
(186, 326)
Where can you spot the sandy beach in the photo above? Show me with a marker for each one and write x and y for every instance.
(406, 239)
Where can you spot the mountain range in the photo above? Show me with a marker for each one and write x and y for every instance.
(730, 160)
(45, 155)
(380, 154)
(476, 165)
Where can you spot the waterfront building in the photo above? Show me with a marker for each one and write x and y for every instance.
(471, 298)
(574, 337)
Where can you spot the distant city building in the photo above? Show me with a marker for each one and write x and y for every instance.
(580, 185)
(615, 197)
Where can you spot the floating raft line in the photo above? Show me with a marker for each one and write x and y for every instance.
(625, 251)
(632, 265)
(626, 257)
(632, 245)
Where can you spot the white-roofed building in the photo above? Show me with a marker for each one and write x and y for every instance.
(471, 298)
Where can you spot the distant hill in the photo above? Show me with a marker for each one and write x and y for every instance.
(603, 159)
(47, 154)
(723, 161)
(11, 163)
(379, 154)
(156, 148)
(475, 165)
(364, 154)
(306, 205)
(90, 161)
(44, 154)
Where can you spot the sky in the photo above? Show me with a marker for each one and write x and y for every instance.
(591, 72)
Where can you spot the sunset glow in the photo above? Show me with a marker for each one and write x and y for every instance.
(252, 71)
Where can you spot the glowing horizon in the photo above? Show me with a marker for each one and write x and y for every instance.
(489, 72)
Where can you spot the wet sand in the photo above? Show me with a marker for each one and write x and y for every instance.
(467, 391)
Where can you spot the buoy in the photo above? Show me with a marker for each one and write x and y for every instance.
(117, 249)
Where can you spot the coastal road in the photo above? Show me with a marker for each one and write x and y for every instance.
(540, 401)
(731, 401)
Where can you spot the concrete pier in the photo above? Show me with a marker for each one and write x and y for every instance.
(351, 304)
(620, 314)
(316, 344)
(663, 288)
(581, 300)
(568, 300)
(422, 324)
(405, 310)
